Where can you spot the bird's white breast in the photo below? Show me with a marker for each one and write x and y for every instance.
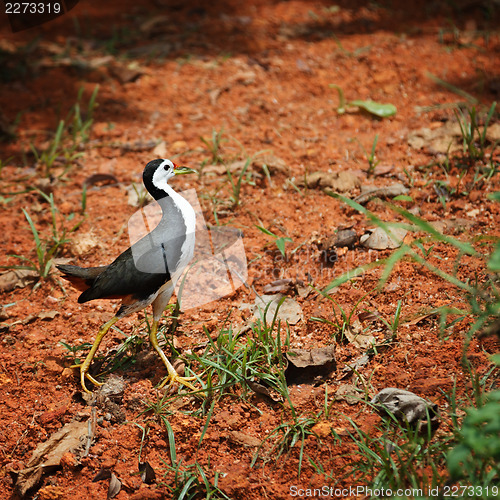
(189, 217)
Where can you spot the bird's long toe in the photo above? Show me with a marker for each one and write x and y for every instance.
(174, 378)
(85, 375)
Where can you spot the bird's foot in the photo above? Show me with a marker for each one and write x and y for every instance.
(85, 375)
(174, 378)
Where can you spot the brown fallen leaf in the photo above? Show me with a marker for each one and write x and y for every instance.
(358, 336)
(102, 475)
(273, 164)
(348, 393)
(493, 132)
(16, 278)
(380, 239)
(115, 485)
(148, 474)
(83, 243)
(278, 285)
(153, 24)
(396, 189)
(343, 181)
(369, 316)
(47, 455)
(126, 73)
(344, 238)
(214, 94)
(160, 150)
(381, 170)
(234, 167)
(103, 179)
(355, 365)
(309, 365)
(454, 225)
(43, 315)
(406, 406)
(447, 138)
(244, 439)
(419, 318)
(265, 391)
(444, 139)
(140, 145)
(266, 307)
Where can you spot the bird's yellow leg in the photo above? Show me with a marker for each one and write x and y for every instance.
(172, 376)
(84, 367)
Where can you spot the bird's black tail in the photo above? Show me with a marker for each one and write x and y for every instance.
(80, 277)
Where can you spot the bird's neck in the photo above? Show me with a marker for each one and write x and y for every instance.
(176, 207)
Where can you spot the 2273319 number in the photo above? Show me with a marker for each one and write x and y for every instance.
(33, 8)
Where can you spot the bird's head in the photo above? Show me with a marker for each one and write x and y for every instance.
(158, 172)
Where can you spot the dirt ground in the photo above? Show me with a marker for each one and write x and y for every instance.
(260, 73)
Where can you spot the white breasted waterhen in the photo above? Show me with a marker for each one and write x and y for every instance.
(145, 273)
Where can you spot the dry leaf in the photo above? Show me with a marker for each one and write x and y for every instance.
(348, 393)
(493, 132)
(244, 439)
(126, 73)
(289, 311)
(381, 170)
(47, 315)
(47, 456)
(307, 366)
(274, 164)
(102, 475)
(380, 239)
(278, 285)
(359, 337)
(406, 406)
(152, 23)
(444, 139)
(263, 390)
(396, 189)
(355, 365)
(343, 181)
(420, 318)
(160, 150)
(102, 179)
(148, 474)
(16, 278)
(454, 225)
(115, 485)
(83, 243)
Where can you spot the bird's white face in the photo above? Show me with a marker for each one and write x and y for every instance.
(163, 173)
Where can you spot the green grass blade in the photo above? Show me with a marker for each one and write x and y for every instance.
(171, 441)
(265, 231)
(452, 88)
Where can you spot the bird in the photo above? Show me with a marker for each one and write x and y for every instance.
(147, 272)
